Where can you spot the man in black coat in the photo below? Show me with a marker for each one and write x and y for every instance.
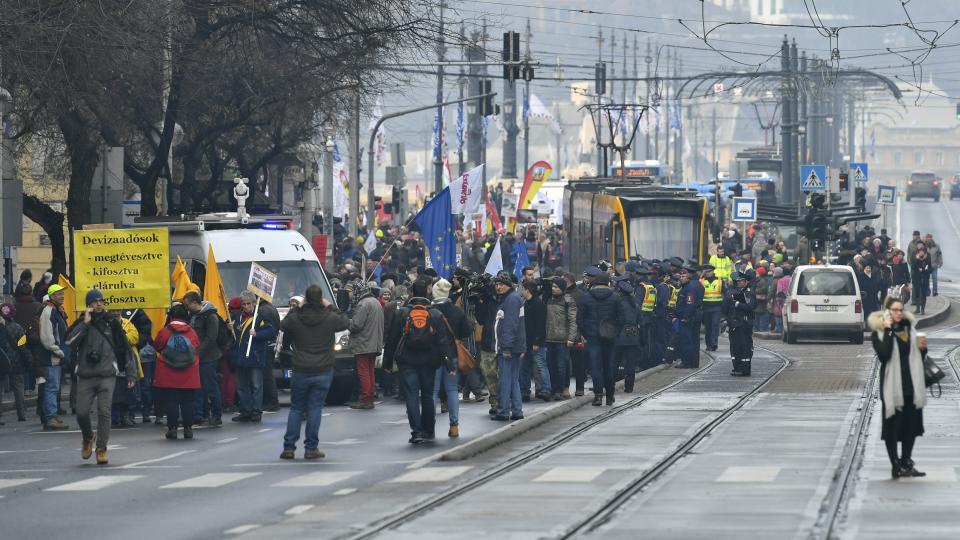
(535, 361)
(600, 318)
(738, 306)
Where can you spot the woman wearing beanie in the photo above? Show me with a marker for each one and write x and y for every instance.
(177, 378)
(461, 327)
(16, 354)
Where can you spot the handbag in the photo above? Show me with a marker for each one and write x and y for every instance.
(932, 374)
(465, 360)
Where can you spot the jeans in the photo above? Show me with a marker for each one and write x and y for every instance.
(558, 364)
(446, 382)
(933, 280)
(762, 322)
(250, 391)
(777, 324)
(421, 412)
(51, 392)
(365, 369)
(101, 389)
(308, 392)
(210, 385)
(535, 365)
(179, 401)
(601, 366)
(511, 404)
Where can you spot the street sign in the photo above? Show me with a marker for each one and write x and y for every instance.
(745, 209)
(859, 172)
(813, 177)
(886, 194)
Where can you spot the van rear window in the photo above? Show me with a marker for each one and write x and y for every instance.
(822, 283)
(923, 177)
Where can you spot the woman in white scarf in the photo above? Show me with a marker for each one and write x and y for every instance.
(902, 390)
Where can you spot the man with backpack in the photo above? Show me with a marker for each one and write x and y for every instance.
(101, 347)
(47, 334)
(419, 343)
(206, 322)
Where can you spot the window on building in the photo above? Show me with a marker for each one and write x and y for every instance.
(898, 158)
(940, 159)
(918, 157)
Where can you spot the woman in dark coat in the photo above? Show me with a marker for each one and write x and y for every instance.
(921, 268)
(902, 390)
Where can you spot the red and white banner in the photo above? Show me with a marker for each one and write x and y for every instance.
(466, 193)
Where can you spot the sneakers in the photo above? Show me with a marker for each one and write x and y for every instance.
(287, 454)
(87, 449)
(187, 432)
(55, 424)
(362, 405)
(102, 456)
(171, 433)
(415, 439)
(516, 417)
(454, 431)
(313, 454)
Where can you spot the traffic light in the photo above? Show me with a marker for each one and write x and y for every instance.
(486, 106)
(844, 182)
(860, 197)
(511, 56)
(600, 78)
(818, 201)
(737, 190)
(527, 72)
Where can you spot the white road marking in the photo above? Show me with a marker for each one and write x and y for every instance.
(210, 480)
(571, 474)
(396, 422)
(228, 439)
(431, 474)
(345, 491)
(14, 482)
(288, 463)
(264, 430)
(242, 529)
(749, 474)
(317, 479)
(96, 483)
(344, 442)
(297, 510)
(156, 460)
(54, 432)
(29, 451)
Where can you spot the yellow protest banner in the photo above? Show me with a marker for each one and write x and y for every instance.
(131, 267)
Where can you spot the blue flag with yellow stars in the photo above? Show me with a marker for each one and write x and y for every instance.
(437, 226)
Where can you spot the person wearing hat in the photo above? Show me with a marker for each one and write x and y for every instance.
(600, 318)
(628, 346)
(738, 307)
(366, 340)
(15, 353)
(646, 300)
(52, 353)
(561, 335)
(713, 290)
(445, 383)
(511, 344)
(689, 304)
(102, 353)
(662, 316)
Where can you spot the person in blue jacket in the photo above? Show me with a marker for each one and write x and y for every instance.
(689, 304)
(511, 345)
(250, 367)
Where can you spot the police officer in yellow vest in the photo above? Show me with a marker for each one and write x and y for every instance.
(713, 289)
(647, 300)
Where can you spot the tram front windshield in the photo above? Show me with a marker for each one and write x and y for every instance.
(662, 237)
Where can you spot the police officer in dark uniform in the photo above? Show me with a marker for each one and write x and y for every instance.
(662, 320)
(646, 295)
(689, 301)
(713, 290)
(738, 306)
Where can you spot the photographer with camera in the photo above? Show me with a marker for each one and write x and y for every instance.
(101, 346)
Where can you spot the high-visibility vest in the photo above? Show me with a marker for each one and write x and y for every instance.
(723, 267)
(674, 294)
(650, 299)
(712, 292)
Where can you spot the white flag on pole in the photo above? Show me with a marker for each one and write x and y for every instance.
(466, 192)
(371, 243)
(339, 198)
(495, 264)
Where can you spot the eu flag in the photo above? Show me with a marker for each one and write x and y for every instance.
(520, 258)
(437, 225)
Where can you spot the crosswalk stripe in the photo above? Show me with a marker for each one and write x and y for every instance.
(297, 510)
(317, 479)
(14, 482)
(96, 483)
(571, 474)
(432, 474)
(242, 529)
(210, 480)
(749, 474)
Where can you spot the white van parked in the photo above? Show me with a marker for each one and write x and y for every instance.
(823, 301)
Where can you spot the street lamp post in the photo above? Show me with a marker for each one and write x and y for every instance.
(5, 98)
(328, 195)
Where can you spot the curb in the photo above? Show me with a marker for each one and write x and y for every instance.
(940, 316)
(766, 336)
(513, 430)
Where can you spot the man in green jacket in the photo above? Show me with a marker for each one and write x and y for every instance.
(311, 332)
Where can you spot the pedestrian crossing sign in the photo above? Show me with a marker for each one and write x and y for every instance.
(813, 177)
(859, 172)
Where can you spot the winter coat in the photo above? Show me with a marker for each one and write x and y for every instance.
(462, 326)
(935, 253)
(738, 307)
(599, 304)
(486, 312)
(53, 349)
(762, 293)
(780, 296)
(165, 376)
(510, 331)
(898, 380)
(366, 326)
(535, 321)
(20, 358)
(394, 354)
(900, 273)
(265, 332)
(101, 348)
(311, 332)
(561, 319)
(630, 332)
(206, 323)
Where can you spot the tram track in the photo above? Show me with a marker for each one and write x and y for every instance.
(596, 518)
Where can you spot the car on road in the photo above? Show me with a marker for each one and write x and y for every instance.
(923, 184)
(823, 301)
(955, 187)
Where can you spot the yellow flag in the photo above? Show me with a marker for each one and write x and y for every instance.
(69, 299)
(157, 316)
(213, 283)
(181, 281)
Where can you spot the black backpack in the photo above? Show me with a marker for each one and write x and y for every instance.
(225, 338)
